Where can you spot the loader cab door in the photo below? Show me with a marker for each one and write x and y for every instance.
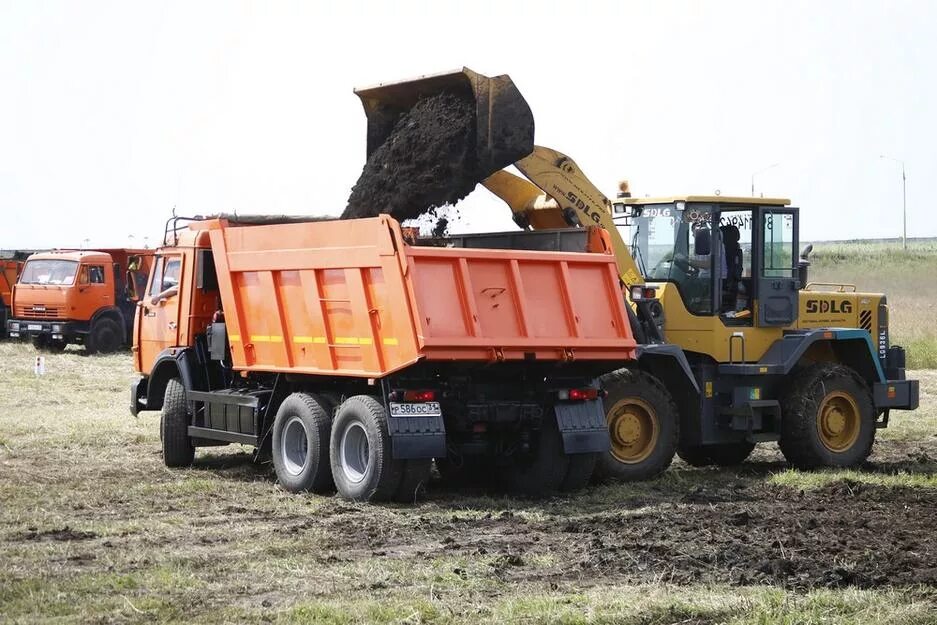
(775, 246)
(158, 310)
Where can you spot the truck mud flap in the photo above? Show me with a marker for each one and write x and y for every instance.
(417, 437)
(898, 394)
(582, 426)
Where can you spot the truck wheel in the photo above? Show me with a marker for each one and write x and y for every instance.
(642, 424)
(301, 444)
(362, 464)
(472, 471)
(415, 479)
(827, 418)
(580, 471)
(45, 344)
(722, 454)
(105, 337)
(178, 450)
(543, 471)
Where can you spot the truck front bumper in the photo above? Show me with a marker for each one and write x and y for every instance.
(71, 331)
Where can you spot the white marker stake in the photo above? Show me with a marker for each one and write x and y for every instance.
(40, 368)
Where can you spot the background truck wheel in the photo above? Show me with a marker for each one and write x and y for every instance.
(362, 465)
(415, 478)
(642, 424)
(542, 471)
(827, 418)
(178, 450)
(722, 454)
(45, 344)
(105, 337)
(301, 444)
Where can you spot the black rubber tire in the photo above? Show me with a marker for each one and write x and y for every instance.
(471, 471)
(178, 450)
(414, 480)
(44, 343)
(314, 415)
(800, 404)
(382, 477)
(542, 471)
(722, 454)
(105, 337)
(695, 455)
(580, 471)
(626, 383)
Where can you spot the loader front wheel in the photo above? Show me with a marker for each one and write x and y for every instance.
(827, 418)
(301, 444)
(362, 462)
(642, 425)
(178, 450)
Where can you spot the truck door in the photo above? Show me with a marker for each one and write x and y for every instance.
(776, 249)
(158, 310)
(95, 292)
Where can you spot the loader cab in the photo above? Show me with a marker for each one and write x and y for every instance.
(732, 258)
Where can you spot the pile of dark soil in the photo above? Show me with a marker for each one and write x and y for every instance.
(427, 161)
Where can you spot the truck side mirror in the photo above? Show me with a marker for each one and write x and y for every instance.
(131, 286)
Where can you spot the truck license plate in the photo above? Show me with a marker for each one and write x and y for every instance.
(34, 326)
(426, 409)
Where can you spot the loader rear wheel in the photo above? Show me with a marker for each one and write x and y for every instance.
(301, 444)
(178, 450)
(642, 425)
(362, 463)
(105, 337)
(542, 471)
(827, 418)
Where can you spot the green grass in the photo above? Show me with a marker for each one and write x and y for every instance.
(904, 276)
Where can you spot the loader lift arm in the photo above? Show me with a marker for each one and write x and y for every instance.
(558, 195)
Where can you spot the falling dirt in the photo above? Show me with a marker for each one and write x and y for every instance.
(427, 161)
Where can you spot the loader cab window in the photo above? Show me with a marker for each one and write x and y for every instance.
(779, 257)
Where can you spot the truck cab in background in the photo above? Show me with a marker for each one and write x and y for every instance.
(79, 296)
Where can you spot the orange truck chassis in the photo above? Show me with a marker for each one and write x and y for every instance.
(355, 357)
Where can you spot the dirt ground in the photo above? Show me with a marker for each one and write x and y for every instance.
(427, 161)
(94, 529)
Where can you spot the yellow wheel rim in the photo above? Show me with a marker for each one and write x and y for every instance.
(633, 428)
(838, 421)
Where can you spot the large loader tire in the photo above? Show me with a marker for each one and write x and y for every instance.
(721, 455)
(178, 450)
(542, 471)
(827, 418)
(643, 424)
(300, 446)
(105, 337)
(362, 463)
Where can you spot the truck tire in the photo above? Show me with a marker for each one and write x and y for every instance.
(643, 426)
(471, 471)
(721, 455)
(827, 418)
(105, 337)
(543, 471)
(415, 479)
(178, 450)
(300, 446)
(580, 471)
(44, 343)
(362, 463)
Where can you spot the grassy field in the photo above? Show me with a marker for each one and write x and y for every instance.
(93, 529)
(907, 277)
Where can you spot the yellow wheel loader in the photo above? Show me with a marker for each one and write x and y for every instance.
(737, 347)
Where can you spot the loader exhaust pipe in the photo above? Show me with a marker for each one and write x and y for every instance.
(504, 123)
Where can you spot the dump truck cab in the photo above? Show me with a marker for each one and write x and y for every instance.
(78, 296)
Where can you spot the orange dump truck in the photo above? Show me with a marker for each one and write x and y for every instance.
(357, 356)
(11, 263)
(78, 296)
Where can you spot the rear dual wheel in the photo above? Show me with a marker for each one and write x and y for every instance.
(301, 444)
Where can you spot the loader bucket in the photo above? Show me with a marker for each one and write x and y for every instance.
(505, 125)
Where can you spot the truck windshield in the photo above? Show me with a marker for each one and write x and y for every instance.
(49, 271)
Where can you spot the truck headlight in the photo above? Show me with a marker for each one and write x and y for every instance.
(56, 327)
(15, 326)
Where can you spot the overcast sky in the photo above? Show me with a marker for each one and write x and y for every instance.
(111, 113)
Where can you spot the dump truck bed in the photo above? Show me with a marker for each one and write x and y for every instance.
(353, 298)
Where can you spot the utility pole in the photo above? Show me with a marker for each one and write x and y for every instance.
(904, 201)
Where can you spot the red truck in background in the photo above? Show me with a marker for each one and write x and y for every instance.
(87, 297)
